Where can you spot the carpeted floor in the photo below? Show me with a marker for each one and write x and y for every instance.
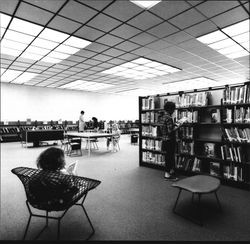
(131, 203)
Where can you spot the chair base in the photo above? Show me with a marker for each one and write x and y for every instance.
(47, 217)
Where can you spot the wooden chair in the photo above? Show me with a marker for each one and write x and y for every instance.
(52, 191)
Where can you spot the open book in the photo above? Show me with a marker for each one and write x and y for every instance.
(71, 169)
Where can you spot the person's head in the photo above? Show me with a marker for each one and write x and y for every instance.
(115, 126)
(169, 107)
(94, 119)
(82, 112)
(51, 159)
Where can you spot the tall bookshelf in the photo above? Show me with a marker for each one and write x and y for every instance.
(214, 141)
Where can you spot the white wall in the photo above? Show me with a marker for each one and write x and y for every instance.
(19, 102)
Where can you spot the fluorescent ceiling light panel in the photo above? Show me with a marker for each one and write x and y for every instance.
(238, 32)
(76, 42)
(39, 42)
(37, 50)
(25, 77)
(246, 45)
(2, 70)
(141, 68)
(145, 4)
(58, 55)
(238, 28)
(4, 20)
(10, 51)
(51, 60)
(12, 44)
(25, 27)
(53, 35)
(14, 35)
(2, 30)
(31, 56)
(10, 75)
(212, 37)
(190, 84)
(66, 49)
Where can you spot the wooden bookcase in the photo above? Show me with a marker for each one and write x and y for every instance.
(202, 144)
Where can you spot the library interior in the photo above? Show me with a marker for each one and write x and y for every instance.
(128, 120)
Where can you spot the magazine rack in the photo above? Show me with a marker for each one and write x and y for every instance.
(52, 191)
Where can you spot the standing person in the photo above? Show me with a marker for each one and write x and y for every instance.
(168, 128)
(81, 122)
(116, 133)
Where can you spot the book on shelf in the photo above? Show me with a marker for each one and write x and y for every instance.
(233, 153)
(215, 116)
(214, 168)
(236, 95)
(196, 99)
(196, 165)
(209, 149)
(232, 172)
(185, 147)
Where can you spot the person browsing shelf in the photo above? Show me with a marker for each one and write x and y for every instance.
(167, 129)
(81, 122)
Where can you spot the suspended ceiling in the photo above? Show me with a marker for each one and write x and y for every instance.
(119, 33)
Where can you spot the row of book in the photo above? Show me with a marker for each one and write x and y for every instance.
(232, 172)
(149, 130)
(234, 95)
(235, 134)
(237, 115)
(185, 147)
(188, 163)
(185, 132)
(154, 158)
(151, 102)
(196, 99)
(191, 116)
(233, 153)
(152, 144)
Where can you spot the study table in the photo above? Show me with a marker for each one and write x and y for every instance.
(89, 136)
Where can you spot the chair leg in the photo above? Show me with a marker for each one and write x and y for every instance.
(220, 208)
(200, 209)
(92, 227)
(27, 226)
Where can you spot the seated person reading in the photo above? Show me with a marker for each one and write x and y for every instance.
(52, 190)
(95, 124)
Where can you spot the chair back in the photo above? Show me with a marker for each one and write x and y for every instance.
(53, 191)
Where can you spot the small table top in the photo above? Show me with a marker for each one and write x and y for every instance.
(198, 184)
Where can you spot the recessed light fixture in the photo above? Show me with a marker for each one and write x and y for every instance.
(26, 76)
(141, 68)
(10, 75)
(4, 20)
(145, 4)
(85, 85)
(189, 84)
(231, 41)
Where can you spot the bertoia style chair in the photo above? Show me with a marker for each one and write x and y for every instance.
(51, 191)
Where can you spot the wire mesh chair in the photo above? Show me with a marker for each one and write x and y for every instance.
(75, 146)
(52, 191)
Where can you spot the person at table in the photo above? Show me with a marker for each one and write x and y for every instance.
(81, 122)
(116, 135)
(95, 124)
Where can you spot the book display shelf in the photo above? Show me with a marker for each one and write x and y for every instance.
(11, 131)
(215, 140)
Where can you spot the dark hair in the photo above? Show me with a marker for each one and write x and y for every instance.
(169, 107)
(51, 159)
(82, 112)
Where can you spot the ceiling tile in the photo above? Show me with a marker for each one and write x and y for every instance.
(201, 29)
(102, 57)
(53, 6)
(143, 39)
(33, 14)
(158, 45)
(142, 51)
(8, 7)
(98, 5)
(179, 37)
(104, 23)
(187, 19)
(145, 21)
(123, 10)
(64, 25)
(128, 56)
(88, 33)
(230, 17)
(109, 40)
(162, 30)
(78, 12)
(127, 46)
(113, 52)
(116, 61)
(97, 47)
(125, 31)
(168, 9)
(212, 8)
(92, 62)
